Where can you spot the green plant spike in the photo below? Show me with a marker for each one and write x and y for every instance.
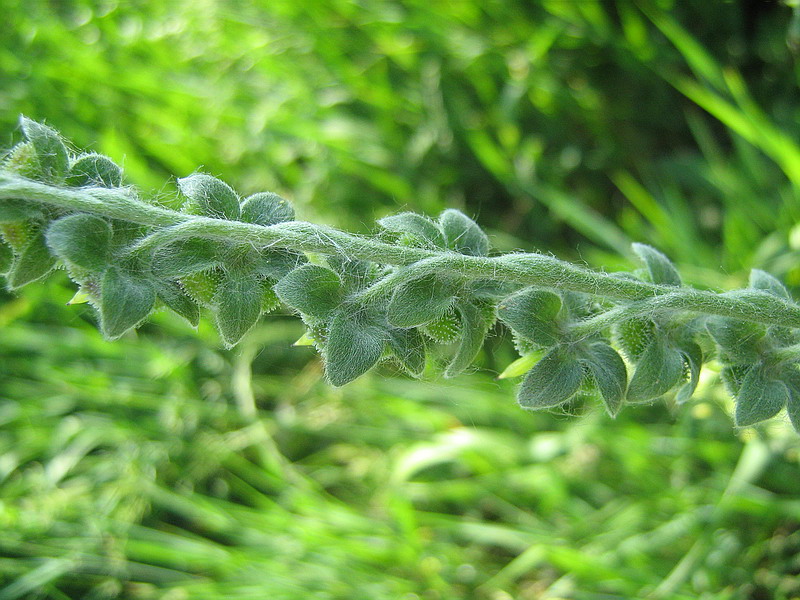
(627, 337)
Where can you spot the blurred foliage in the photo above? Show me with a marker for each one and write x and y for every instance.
(163, 467)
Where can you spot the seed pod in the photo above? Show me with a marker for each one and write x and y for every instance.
(445, 329)
(22, 160)
(269, 299)
(202, 286)
(633, 336)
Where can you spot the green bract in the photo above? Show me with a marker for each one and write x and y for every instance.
(365, 300)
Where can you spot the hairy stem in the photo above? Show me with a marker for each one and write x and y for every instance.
(528, 269)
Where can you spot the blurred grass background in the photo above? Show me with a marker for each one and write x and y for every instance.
(162, 466)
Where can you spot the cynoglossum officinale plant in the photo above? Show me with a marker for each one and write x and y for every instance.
(419, 282)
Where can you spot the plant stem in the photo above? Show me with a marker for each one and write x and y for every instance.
(528, 269)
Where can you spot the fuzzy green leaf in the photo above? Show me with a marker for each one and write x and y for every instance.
(416, 225)
(6, 257)
(791, 378)
(659, 369)
(266, 208)
(277, 263)
(533, 314)
(738, 339)
(14, 211)
(174, 298)
(34, 262)
(609, 373)
(185, 257)
(462, 234)
(94, 170)
(84, 240)
(693, 358)
(659, 267)
(760, 398)
(125, 300)
(51, 153)
(238, 302)
(408, 347)
(311, 289)
(353, 347)
(761, 280)
(473, 331)
(210, 196)
(552, 381)
(421, 300)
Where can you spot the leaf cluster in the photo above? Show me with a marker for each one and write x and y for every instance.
(575, 345)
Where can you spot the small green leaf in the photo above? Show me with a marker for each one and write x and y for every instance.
(659, 267)
(178, 301)
(94, 170)
(353, 347)
(51, 152)
(791, 377)
(266, 208)
(277, 263)
(14, 211)
(521, 366)
(533, 314)
(473, 331)
(761, 280)
(659, 369)
(738, 339)
(760, 398)
(421, 300)
(84, 240)
(185, 257)
(408, 347)
(416, 225)
(609, 373)
(311, 289)
(125, 301)
(6, 257)
(462, 234)
(693, 358)
(34, 262)
(552, 381)
(210, 196)
(238, 303)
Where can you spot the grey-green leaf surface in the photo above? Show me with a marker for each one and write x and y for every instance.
(659, 267)
(125, 300)
(533, 314)
(84, 240)
(238, 302)
(51, 152)
(34, 262)
(94, 170)
(266, 208)
(462, 234)
(210, 196)
(658, 370)
(552, 381)
(416, 225)
(760, 397)
(421, 300)
(353, 347)
(311, 289)
(610, 374)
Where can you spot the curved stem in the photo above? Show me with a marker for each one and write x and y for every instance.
(529, 269)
